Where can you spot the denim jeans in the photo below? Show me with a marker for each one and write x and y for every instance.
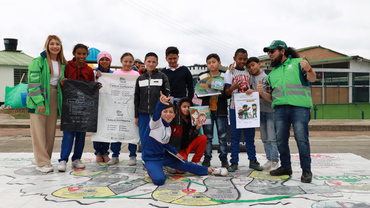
(268, 135)
(132, 148)
(101, 147)
(67, 143)
(221, 124)
(285, 115)
(249, 134)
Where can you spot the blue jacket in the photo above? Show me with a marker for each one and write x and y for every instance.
(157, 136)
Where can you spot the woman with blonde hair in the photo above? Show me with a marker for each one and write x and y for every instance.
(44, 99)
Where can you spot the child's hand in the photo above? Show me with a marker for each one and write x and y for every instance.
(179, 156)
(232, 67)
(62, 81)
(236, 85)
(164, 99)
(198, 124)
(249, 91)
(98, 74)
(100, 85)
(260, 87)
(137, 121)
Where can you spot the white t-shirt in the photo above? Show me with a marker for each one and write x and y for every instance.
(54, 79)
(238, 75)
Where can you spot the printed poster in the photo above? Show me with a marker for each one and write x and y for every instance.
(80, 106)
(116, 117)
(201, 114)
(247, 111)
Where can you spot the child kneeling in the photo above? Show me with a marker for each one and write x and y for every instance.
(157, 152)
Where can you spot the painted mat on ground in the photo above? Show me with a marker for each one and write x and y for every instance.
(340, 180)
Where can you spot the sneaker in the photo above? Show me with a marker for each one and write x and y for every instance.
(281, 171)
(132, 161)
(306, 176)
(233, 167)
(33, 161)
(274, 164)
(225, 164)
(78, 164)
(267, 165)
(106, 158)
(99, 158)
(113, 161)
(62, 166)
(206, 163)
(45, 169)
(255, 165)
(220, 171)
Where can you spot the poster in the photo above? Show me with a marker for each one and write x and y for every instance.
(200, 113)
(80, 106)
(247, 111)
(116, 118)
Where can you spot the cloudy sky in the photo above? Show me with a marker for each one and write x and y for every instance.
(196, 27)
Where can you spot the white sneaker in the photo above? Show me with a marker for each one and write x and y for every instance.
(62, 166)
(132, 161)
(78, 164)
(114, 161)
(33, 161)
(220, 171)
(267, 165)
(274, 165)
(45, 169)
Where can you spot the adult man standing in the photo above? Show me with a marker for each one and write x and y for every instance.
(290, 80)
(137, 63)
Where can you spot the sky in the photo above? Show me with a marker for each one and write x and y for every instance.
(196, 27)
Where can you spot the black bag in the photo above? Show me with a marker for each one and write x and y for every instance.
(80, 106)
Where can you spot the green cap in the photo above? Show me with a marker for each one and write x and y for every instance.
(275, 44)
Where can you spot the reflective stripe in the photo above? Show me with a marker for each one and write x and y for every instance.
(309, 94)
(297, 86)
(43, 89)
(153, 82)
(296, 92)
(280, 94)
(30, 94)
(33, 85)
(278, 88)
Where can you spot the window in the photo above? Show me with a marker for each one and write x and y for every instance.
(360, 89)
(18, 74)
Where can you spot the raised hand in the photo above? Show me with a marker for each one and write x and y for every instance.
(260, 87)
(304, 64)
(164, 99)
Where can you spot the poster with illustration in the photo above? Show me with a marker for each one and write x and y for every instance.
(209, 86)
(200, 114)
(247, 111)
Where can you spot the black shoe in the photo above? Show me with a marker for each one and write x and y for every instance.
(281, 171)
(225, 164)
(233, 167)
(206, 163)
(255, 165)
(306, 176)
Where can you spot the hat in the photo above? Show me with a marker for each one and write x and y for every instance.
(103, 54)
(138, 61)
(275, 44)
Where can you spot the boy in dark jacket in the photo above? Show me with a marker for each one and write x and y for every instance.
(218, 109)
(185, 136)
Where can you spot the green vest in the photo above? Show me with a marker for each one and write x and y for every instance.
(289, 86)
(39, 85)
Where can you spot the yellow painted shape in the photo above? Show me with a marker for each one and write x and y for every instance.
(266, 175)
(198, 199)
(81, 192)
(168, 195)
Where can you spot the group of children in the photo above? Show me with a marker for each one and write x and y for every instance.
(162, 101)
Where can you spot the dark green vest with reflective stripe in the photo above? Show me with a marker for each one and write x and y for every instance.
(289, 86)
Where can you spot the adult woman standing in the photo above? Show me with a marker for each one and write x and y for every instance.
(44, 99)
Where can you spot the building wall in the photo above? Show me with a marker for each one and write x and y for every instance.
(7, 79)
(319, 54)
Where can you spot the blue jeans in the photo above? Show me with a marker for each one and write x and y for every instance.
(101, 147)
(132, 148)
(249, 134)
(221, 124)
(285, 115)
(67, 143)
(268, 135)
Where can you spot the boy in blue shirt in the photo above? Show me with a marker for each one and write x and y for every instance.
(157, 152)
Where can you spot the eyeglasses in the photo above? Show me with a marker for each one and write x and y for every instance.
(271, 51)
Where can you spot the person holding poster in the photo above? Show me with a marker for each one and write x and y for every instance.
(218, 109)
(185, 137)
(238, 81)
(157, 151)
(267, 114)
(45, 72)
(290, 80)
(127, 60)
(79, 70)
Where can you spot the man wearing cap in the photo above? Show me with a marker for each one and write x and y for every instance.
(290, 80)
(136, 65)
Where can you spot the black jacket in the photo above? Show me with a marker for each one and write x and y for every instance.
(222, 98)
(147, 92)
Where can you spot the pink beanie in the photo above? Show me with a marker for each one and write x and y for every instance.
(103, 54)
